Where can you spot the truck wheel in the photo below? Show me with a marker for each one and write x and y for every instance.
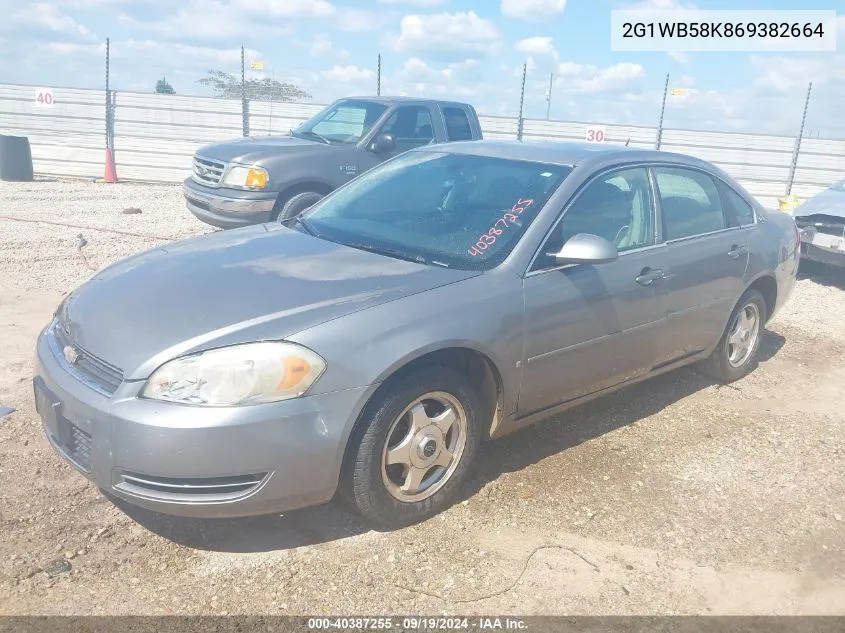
(416, 450)
(298, 203)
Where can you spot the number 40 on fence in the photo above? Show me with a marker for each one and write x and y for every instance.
(44, 98)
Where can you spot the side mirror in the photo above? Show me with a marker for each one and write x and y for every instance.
(383, 143)
(585, 248)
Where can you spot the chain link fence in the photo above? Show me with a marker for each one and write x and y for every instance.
(153, 136)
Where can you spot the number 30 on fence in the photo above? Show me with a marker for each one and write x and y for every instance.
(595, 134)
(44, 98)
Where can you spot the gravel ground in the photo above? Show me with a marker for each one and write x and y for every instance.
(674, 496)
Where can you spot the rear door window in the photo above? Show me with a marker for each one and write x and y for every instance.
(457, 124)
(689, 201)
(410, 127)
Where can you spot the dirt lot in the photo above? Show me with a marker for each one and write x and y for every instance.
(675, 496)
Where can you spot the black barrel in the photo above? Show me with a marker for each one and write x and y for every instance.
(15, 158)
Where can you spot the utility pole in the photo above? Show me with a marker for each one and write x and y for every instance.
(378, 76)
(549, 95)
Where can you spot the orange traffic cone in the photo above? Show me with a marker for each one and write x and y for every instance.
(111, 172)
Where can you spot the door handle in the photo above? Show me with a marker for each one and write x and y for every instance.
(648, 276)
(736, 251)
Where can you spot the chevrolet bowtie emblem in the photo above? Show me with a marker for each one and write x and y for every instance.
(71, 355)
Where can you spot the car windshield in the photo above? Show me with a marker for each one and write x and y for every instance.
(442, 209)
(342, 122)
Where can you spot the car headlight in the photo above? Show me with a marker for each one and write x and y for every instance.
(244, 177)
(247, 374)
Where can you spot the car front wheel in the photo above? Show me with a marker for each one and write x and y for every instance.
(297, 204)
(415, 449)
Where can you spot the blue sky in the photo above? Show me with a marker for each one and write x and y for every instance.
(467, 49)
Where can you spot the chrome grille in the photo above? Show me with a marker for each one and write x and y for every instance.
(79, 447)
(189, 488)
(208, 171)
(94, 372)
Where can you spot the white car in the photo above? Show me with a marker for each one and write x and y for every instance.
(821, 220)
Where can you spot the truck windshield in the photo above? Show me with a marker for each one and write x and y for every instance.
(437, 208)
(342, 122)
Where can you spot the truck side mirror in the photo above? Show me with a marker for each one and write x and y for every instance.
(383, 143)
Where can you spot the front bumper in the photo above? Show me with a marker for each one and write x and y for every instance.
(228, 208)
(822, 247)
(193, 461)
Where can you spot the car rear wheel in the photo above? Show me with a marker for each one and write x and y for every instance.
(298, 203)
(736, 353)
(415, 449)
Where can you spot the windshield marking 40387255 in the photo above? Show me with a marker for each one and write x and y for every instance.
(486, 239)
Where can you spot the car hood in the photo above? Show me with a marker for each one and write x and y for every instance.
(256, 150)
(828, 202)
(262, 282)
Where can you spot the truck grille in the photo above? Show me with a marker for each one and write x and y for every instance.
(208, 171)
(95, 373)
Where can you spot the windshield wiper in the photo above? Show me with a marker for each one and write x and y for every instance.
(311, 133)
(389, 252)
(305, 226)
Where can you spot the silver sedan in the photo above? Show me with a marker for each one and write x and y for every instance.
(367, 347)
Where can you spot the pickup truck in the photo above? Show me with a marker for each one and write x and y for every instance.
(262, 179)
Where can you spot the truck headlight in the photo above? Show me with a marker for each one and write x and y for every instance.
(251, 373)
(244, 177)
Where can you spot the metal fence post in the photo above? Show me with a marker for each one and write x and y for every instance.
(662, 112)
(378, 76)
(108, 100)
(244, 101)
(519, 124)
(797, 150)
(111, 120)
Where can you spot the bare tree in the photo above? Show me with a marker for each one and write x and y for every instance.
(229, 86)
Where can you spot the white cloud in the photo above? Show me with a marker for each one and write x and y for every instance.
(444, 34)
(347, 74)
(320, 45)
(87, 4)
(46, 16)
(416, 3)
(586, 78)
(152, 49)
(536, 46)
(662, 5)
(72, 48)
(679, 56)
(285, 8)
(532, 10)
(219, 20)
(360, 20)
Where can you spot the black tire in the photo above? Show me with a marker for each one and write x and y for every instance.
(363, 485)
(298, 203)
(718, 365)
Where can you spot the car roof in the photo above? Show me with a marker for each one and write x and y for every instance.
(404, 100)
(565, 153)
